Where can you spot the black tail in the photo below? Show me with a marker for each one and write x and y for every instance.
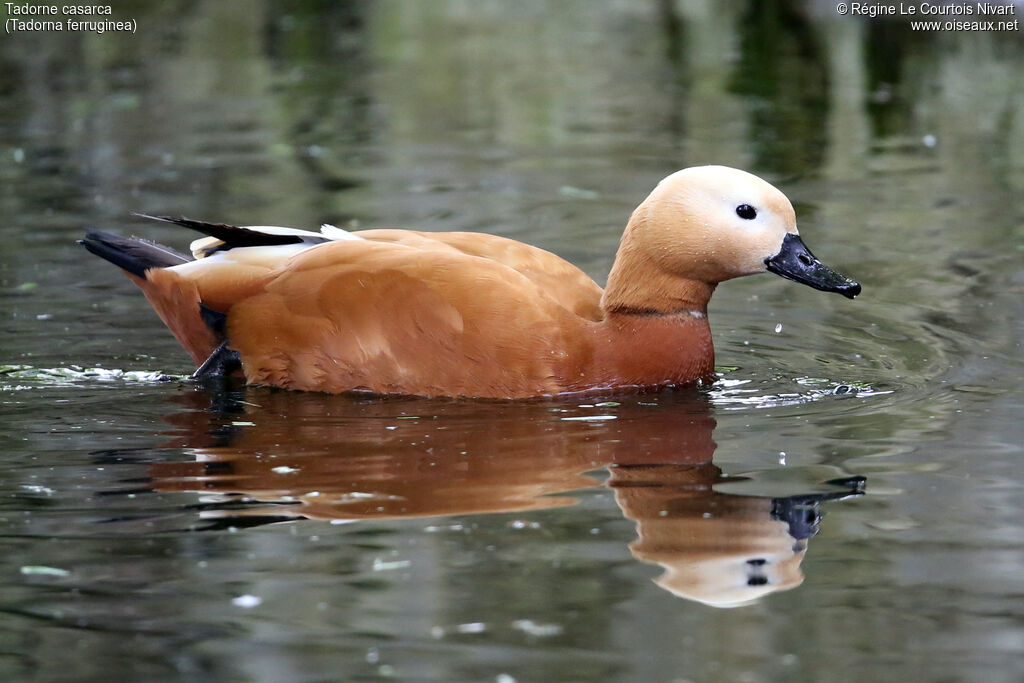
(235, 236)
(134, 254)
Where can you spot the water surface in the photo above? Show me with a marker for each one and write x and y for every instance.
(844, 503)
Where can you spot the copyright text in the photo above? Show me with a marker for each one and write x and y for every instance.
(926, 16)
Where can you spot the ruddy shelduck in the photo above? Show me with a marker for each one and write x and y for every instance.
(471, 314)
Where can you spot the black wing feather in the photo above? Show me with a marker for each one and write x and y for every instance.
(134, 254)
(233, 236)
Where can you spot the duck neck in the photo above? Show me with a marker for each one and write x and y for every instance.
(655, 329)
(668, 298)
(637, 284)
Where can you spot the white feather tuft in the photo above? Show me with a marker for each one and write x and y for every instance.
(336, 233)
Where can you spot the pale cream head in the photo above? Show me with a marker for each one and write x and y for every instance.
(689, 225)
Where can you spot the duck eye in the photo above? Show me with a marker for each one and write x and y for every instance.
(746, 212)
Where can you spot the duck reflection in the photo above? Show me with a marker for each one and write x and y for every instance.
(273, 455)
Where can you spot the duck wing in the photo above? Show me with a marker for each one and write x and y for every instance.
(559, 279)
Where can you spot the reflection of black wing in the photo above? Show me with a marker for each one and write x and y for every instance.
(801, 512)
(233, 522)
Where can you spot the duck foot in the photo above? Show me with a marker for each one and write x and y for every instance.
(220, 365)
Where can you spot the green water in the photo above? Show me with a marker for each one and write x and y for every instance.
(852, 481)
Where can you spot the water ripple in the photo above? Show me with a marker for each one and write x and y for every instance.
(744, 393)
(74, 375)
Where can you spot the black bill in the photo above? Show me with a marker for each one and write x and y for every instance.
(796, 262)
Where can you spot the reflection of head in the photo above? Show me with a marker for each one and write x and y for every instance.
(718, 549)
(735, 570)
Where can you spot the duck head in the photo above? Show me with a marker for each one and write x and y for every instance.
(706, 224)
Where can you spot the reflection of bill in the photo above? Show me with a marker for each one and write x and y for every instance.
(333, 457)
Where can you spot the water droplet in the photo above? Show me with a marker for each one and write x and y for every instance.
(380, 565)
(530, 627)
(40, 570)
(247, 601)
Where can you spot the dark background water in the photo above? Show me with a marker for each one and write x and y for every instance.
(151, 530)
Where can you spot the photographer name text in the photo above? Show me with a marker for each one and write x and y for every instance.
(973, 9)
(968, 16)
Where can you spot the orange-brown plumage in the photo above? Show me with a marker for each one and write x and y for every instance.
(469, 314)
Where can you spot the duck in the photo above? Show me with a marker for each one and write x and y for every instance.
(474, 315)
